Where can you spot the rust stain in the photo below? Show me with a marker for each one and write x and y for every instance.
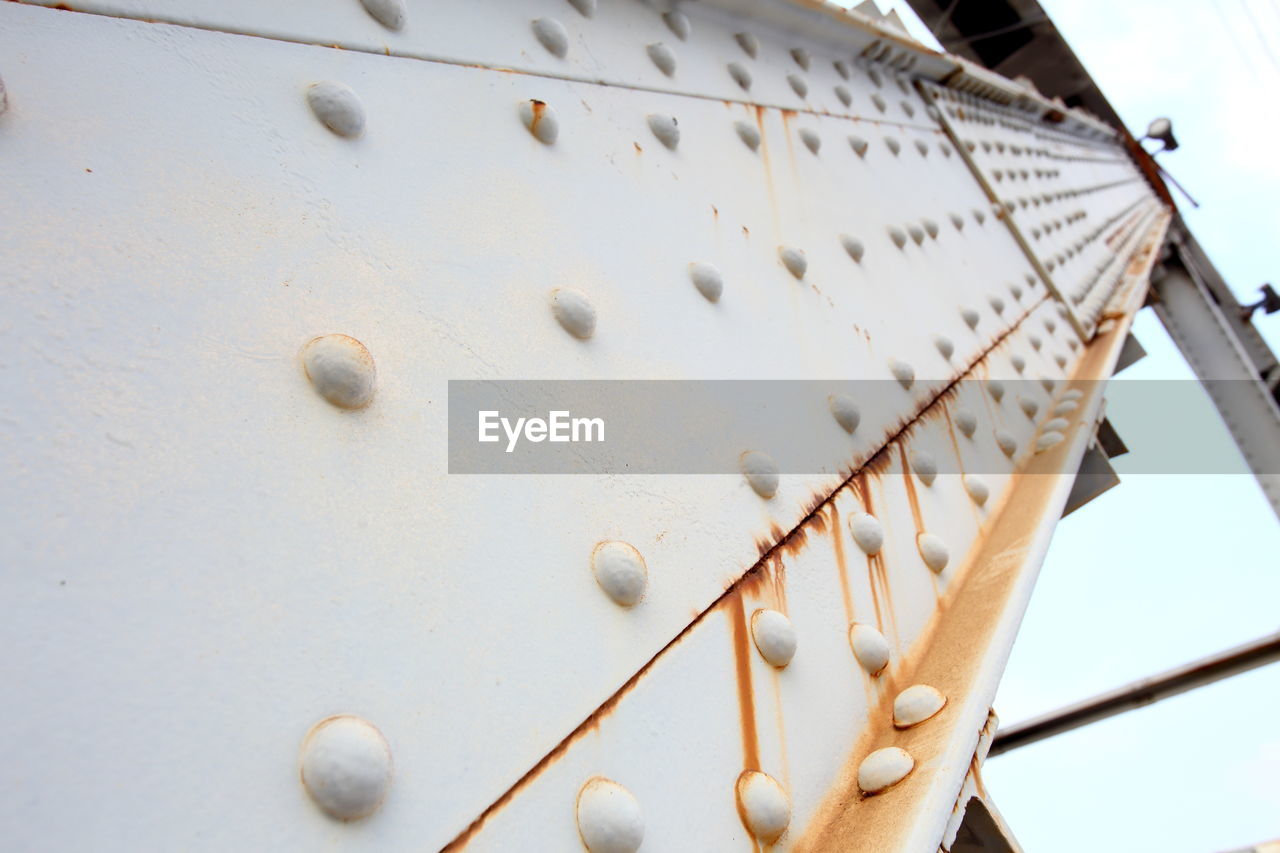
(539, 109)
(639, 150)
(746, 696)
(715, 212)
(951, 433)
(842, 569)
(912, 497)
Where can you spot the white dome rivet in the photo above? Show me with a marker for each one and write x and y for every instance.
(663, 58)
(666, 129)
(996, 389)
(620, 571)
(810, 139)
(540, 120)
(916, 704)
(552, 35)
(748, 134)
(921, 145)
(750, 44)
(1066, 407)
(853, 246)
(925, 466)
(894, 145)
(1036, 342)
(341, 370)
(933, 552)
(1019, 363)
(883, 769)
(346, 767)
(801, 56)
(977, 489)
(798, 85)
(1016, 290)
(979, 216)
(842, 68)
(869, 647)
(1056, 425)
(997, 304)
(609, 817)
(917, 234)
(898, 236)
(1072, 394)
(843, 94)
(845, 411)
(867, 532)
(1047, 440)
(1060, 359)
(944, 345)
(930, 227)
(740, 75)
(389, 13)
(970, 317)
(1029, 407)
(879, 102)
(708, 280)
(574, 311)
(967, 422)
(764, 806)
(760, 471)
(337, 107)
(958, 221)
(903, 372)
(586, 8)
(1007, 443)
(1048, 383)
(678, 23)
(859, 146)
(794, 260)
(774, 635)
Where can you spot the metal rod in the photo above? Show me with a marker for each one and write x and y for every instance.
(1143, 692)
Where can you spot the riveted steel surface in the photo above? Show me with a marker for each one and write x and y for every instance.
(211, 557)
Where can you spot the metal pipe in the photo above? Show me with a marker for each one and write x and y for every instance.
(1139, 693)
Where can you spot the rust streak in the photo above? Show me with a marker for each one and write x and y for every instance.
(912, 497)
(746, 696)
(842, 569)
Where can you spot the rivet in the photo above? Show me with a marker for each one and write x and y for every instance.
(1036, 342)
(1065, 408)
(925, 466)
(663, 58)
(917, 703)
(389, 13)
(574, 311)
(794, 260)
(810, 139)
(874, 76)
(869, 647)
(903, 372)
(894, 145)
(763, 804)
(879, 102)
(774, 636)
(337, 107)
(1007, 443)
(845, 411)
(883, 769)
(996, 303)
(979, 216)
(1016, 290)
(853, 246)
(620, 571)
(931, 227)
(748, 133)
(1019, 363)
(740, 75)
(966, 421)
(798, 85)
(749, 44)
(1031, 280)
(541, 120)
(341, 370)
(843, 94)
(707, 279)
(933, 551)
(678, 23)
(1048, 384)
(898, 236)
(1056, 424)
(801, 56)
(1060, 359)
(346, 767)
(760, 471)
(970, 317)
(842, 68)
(552, 35)
(976, 488)
(996, 389)
(665, 128)
(859, 145)
(1072, 394)
(917, 234)
(957, 220)
(1050, 325)
(586, 8)
(911, 111)
(1029, 407)
(944, 345)
(1047, 440)
(609, 817)
(945, 149)
(867, 532)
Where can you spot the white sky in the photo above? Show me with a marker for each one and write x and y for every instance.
(1163, 569)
